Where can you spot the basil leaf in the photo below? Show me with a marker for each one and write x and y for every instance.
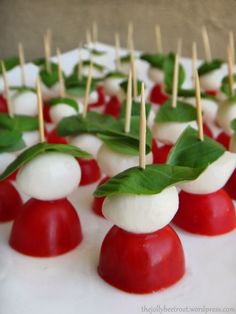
(74, 125)
(190, 151)
(23, 89)
(191, 93)
(125, 143)
(233, 124)
(10, 141)
(115, 74)
(67, 101)
(96, 52)
(126, 58)
(86, 63)
(151, 180)
(38, 149)
(124, 86)
(183, 112)
(76, 87)
(10, 63)
(207, 67)
(168, 67)
(49, 78)
(155, 60)
(18, 122)
(39, 62)
(225, 86)
(135, 109)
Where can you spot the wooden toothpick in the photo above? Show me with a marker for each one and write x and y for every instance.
(60, 75)
(142, 130)
(87, 90)
(80, 63)
(47, 53)
(6, 90)
(231, 43)
(49, 41)
(176, 74)
(130, 35)
(206, 44)
(22, 63)
(194, 61)
(40, 111)
(158, 39)
(117, 50)
(230, 70)
(95, 32)
(88, 37)
(128, 103)
(198, 105)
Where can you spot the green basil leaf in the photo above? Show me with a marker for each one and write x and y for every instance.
(207, 67)
(225, 86)
(96, 52)
(19, 123)
(10, 63)
(155, 60)
(192, 93)
(169, 64)
(67, 101)
(135, 109)
(38, 149)
(76, 87)
(74, 125)
(233, 124)
(183, 112)
(86, 63)
(190, 151)
(23, 89)
(49, 78)
(151, 180)
(39, 62)
(124, 86)
(10, 141)
(115, 74)
(126, 58)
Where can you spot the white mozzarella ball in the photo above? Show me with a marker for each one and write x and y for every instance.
(112, 85)
(5, 160)
(232, 143)
(212, 80)
(31, 138)
(88, 142)
(142, 213)
(156, 75)
(209, 108)
(25, 103)
(214, 177)
(60, 111)
(93, 97)
(112, 163)
(169, 132)
(97, 74)
(225, 114)
(151, 118)
(50, 92)
(49, 176)
(125, 67)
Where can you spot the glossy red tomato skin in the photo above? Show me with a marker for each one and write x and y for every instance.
(157, 96)
(101, 98)
(161, 154)
(46, 113)
(3, 104)
(46, 228)
(98, 201)
(10, 201)
(211, 92)
(223, 139)
(210, 214)
(141, 263)
(207, 130)
(113, 107)
(54, 138)
(90, 171)
(230, 186)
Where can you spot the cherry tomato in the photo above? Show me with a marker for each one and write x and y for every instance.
(101, 98)
(46, 228)
(208, 214)
(211, 92)
(54, 138)
(46, 114)
(10, 201)
(113, 107)
(157, 96)
(223, 139)
(161, 154)
(141, 263)
(98, 201)
(90, 171)
(207, 130)
(230, 186)
(3, 104)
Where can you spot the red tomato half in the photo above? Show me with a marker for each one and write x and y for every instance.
(207, 130)
(101, 98)
(161, 154)
(10, 201)
(90, 171)
(46, 113)
(54, 138)
(98, 201)
(211, 92)
(223, 139)
(230, 186)
(46, 228)
(113, 107)
(208, 214)
(141, 263)
(157, 96)
(3, 104)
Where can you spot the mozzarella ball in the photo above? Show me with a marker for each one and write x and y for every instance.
(60, 111)
(214, 177)
(25, 103)
(151, 118)
(125, 67)
(88, 142)
(225, 114)
(97, 74)
(112, 163)
(232, 143)
(142, 213)
(209, 108)
(155, 75)
(50, 92)
(31, 138)
(5, 160)
(211, 81)
(169, 132)
(93, 97)
(112, 85)
(49, 176)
